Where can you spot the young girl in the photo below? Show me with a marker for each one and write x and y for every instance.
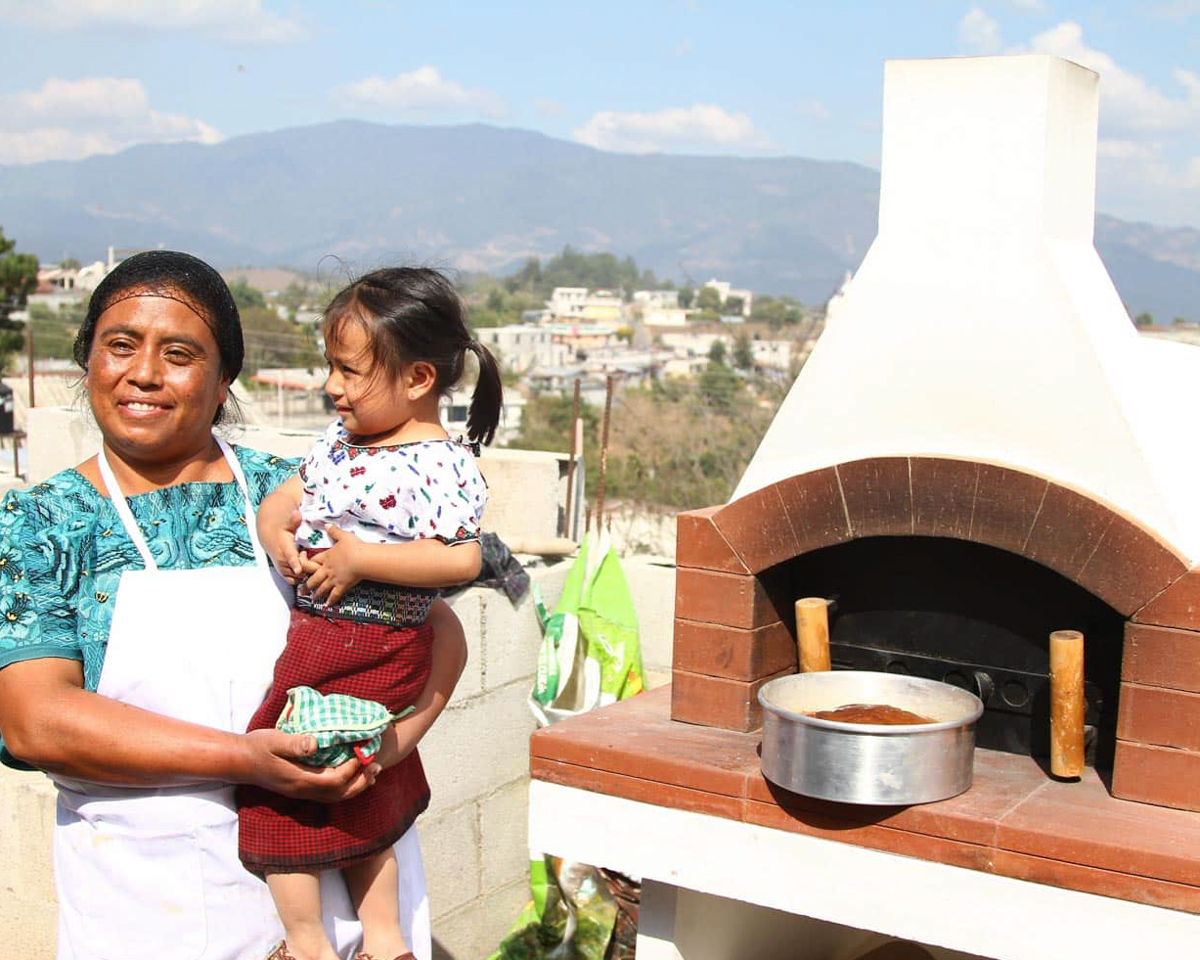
(389, 512)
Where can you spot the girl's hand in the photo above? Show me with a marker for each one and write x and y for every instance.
(336, 569)
(271, 759)
(280, 545)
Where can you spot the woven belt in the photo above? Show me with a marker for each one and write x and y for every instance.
(372, 602)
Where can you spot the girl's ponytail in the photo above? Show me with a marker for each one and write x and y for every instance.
(487, 403)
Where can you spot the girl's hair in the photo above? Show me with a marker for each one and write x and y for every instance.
(177, 276)
(413, 314)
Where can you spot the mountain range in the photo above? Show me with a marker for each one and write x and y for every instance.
(479, 197)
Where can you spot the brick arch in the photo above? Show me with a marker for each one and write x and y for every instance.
(729, 639)
(1078, 536)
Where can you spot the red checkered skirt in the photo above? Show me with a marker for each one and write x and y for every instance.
(377, 662)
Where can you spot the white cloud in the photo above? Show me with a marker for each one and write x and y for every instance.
(1036, 7)
(550, 108)
(1176, 10)
(69, 119)
(420, 93)
(978, 32)
(1127, 150)
(703, 126)
(1192, 175)
(241, 21)
(812, 108)
(1127, 101)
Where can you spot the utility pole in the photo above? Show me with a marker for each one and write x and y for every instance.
(29, 362)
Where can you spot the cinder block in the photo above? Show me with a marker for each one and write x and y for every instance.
(504, 831)
(652, 587)
(34, 798)
(450, 849)
(474, 931)
(30, 928)
(478, 746)
(511, 638)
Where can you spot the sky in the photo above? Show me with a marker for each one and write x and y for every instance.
(679, 76)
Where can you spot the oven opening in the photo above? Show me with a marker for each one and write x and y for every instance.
(968, 614)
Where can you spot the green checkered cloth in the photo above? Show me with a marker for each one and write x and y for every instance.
(344, 726)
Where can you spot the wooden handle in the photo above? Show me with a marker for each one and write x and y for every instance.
(812, 634)
(1066, 703)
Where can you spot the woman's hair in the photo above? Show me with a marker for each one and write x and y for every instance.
(177, 276)
(413, 314)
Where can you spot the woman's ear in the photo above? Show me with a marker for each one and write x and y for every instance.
(422, 378)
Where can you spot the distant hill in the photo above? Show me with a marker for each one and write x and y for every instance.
(484, 198)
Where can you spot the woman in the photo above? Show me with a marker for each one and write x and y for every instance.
(139, 621)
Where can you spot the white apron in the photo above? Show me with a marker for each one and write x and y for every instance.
(147, 873)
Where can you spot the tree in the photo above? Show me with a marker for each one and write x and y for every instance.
(708, 299)
(686, 296)
(272, 341)
(1143, 320)
(743, 354)
(777, 311)
(733, 306)
(716, 353)
(68, 263)
(245, 296)
(55, 330)
(18, 279)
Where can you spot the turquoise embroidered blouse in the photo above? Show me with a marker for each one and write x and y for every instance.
(63, 549)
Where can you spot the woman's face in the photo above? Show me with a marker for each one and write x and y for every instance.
(154, 380)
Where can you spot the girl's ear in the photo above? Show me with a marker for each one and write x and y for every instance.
(422, 378)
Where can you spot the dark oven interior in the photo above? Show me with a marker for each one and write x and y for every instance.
(969, 614)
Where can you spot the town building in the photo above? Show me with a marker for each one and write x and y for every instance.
(726, 290)
(522, 346)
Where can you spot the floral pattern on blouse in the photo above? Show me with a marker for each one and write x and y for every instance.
(63, 550)
(389, 494)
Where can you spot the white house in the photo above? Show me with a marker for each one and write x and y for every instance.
(522, 346)
(725, 290)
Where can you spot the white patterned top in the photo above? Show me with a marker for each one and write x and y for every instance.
(390, 493)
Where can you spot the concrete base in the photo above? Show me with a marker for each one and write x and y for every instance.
(737, 870)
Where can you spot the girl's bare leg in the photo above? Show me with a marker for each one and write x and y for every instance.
(374, 886)
(297, 899)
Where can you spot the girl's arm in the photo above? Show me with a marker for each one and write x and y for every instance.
(49, 721)
(276, 524)
(449, 658)
(418, 563)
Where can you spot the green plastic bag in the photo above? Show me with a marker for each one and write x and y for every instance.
(590, 654)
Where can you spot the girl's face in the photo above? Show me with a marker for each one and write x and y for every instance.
(154, 380)
(369, 402)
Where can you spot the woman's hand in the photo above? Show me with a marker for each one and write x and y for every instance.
(272, 760)
(334, 571)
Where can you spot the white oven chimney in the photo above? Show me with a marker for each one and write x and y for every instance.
(982, 324)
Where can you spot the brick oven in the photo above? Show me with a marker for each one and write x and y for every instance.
(980, 450)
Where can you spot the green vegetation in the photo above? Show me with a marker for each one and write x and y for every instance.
(491, 304)
(572, 268)
(677, 443)
(777, 311)
(54, 330)
(743, 353)
(247, 297)
(272, 341)
(18, 279)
